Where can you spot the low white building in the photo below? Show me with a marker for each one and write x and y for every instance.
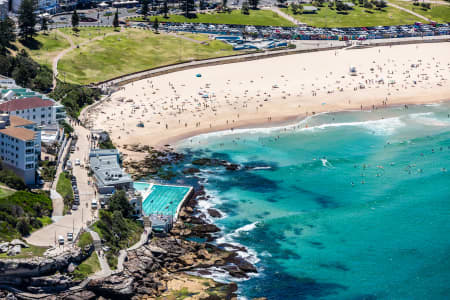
(20, 146)
(6, 82)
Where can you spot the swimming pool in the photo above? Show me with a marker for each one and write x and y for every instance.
(164, 199)
(141, 186)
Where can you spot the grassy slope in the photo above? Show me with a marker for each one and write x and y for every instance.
(46, 47)
(131, 51)
(64, 185)
(438, 13)
(256, 17)
(90, 266)
(6, 192)
(86, 33)
(358, 17)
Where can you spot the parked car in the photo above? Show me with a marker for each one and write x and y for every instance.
(77, 162)
(69, 236)
(61, 240)
(74, 207)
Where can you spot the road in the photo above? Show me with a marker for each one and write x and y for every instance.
(57, 199)
(47, 235)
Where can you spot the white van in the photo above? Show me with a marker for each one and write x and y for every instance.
(61, 240)
(94, 204)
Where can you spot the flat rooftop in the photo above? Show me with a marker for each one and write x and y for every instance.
(107, 171)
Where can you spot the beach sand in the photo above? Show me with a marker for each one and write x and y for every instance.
(268, 91)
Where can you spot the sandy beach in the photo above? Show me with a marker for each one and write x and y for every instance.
(161, 110)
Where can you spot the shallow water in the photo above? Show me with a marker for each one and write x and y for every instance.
(351, 205)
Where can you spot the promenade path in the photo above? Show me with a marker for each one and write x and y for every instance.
(80, 218)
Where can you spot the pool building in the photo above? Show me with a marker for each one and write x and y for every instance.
(162, 203)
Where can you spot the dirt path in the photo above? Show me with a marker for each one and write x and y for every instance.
(284, 15)
(409, 11)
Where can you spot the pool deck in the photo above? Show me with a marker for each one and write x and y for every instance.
(148, 191)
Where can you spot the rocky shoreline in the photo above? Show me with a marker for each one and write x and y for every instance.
(160, 268)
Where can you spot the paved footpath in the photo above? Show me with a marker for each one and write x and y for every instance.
(78, 219)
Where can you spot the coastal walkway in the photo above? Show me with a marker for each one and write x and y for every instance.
(105, 270)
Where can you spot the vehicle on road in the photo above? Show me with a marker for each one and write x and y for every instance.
(77, 162)
(94, 204)
(69, 236)
(61, 240)
(74, 207)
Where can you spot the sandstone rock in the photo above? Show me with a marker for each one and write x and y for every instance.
(214, 213)
(203, 253)
(14, 250)
(71, 268)
(4, 247)
(19, 242)
(156, 249)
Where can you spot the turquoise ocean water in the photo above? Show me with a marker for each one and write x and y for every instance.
(355, 206)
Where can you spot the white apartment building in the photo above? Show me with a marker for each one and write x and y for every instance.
(35, 109)
(20, 146)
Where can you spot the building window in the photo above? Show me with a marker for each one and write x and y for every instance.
(29, 166)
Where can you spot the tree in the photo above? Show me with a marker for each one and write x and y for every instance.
(75, 19)
(245, 8)
(23, 227)
(156, 24)
(144, 8)
(119, 202)
(27, 19)
(224, 4)
(7, 34)
(254, 3)
(188, 5)
(166, 9)
(44, 26)
(203, 4)
(116, 19)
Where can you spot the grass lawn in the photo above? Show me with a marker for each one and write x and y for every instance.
(256, 17)
(45, 47)
(5, 192)
(84, 240)
(27, 252)
(45, 221)
(133, 50)
(88, 267)
(86, 33)
(64, 188)
(438, 12)
(358, 17)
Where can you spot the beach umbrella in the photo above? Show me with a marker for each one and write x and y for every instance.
(198, 75)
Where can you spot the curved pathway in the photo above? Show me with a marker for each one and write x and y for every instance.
(409, 11)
